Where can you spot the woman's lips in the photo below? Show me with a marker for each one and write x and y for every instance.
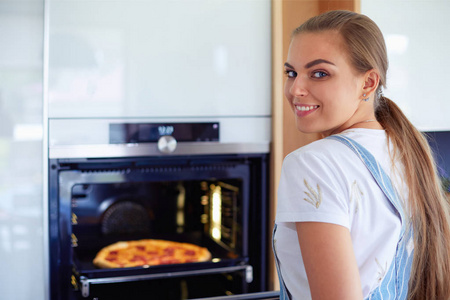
(304, 110)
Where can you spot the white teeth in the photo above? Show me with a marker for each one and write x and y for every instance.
(306, 108)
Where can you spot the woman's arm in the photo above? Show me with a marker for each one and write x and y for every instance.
(329, 260)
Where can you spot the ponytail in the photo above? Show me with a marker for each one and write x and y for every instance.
(428, 205)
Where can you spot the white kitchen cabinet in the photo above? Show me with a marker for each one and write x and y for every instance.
(23, 273)
(174, 58)
(417, 34)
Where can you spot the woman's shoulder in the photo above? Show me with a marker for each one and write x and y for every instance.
(324, 156)
(372, 140)
(322, 148)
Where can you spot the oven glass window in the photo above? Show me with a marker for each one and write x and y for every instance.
(207, 213)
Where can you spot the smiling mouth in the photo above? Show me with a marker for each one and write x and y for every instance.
(306, 108)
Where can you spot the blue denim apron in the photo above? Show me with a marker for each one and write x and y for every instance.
(395, 283)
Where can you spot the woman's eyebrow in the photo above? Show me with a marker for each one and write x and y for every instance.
(288, 66)
(316, 62)
(311, 63)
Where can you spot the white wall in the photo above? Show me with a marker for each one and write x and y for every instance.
(22, 270)
(417, 34)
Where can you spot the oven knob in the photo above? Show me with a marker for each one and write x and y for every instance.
(167, 144)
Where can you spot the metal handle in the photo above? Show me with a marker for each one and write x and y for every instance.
(86, 282)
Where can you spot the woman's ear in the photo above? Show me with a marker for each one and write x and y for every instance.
(371, 80)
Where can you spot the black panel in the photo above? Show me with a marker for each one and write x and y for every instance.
(151, 132)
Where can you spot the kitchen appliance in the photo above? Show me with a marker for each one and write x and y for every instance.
(188, 181)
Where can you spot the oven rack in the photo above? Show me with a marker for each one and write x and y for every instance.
(85, 282)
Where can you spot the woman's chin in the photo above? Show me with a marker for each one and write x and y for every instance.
(306, 129)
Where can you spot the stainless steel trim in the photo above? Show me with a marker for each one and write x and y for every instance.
(86, 282)
(151, 149)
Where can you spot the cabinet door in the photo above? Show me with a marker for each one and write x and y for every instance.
(22, 255)
(171, 58)
(418, 42)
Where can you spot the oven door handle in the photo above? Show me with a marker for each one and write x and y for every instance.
(86, 282)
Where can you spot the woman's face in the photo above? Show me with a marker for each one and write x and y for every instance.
(322, 88)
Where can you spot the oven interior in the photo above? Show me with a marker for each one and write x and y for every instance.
(203, 212)
(213, 202)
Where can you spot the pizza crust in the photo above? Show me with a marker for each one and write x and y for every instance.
(149, 252)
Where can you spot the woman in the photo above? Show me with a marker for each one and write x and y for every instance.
(342, 231)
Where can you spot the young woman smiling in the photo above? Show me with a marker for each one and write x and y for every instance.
(361, 213)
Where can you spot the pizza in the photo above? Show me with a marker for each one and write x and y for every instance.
(149, 252)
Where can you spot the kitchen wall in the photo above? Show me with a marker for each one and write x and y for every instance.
(22, 254)
(418, 42)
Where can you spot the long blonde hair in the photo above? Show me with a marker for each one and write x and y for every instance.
(364, 42)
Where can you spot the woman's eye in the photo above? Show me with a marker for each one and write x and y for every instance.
(290, 73)
(319, 74)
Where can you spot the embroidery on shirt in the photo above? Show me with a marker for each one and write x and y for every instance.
(381, 270)
(315, 198)
(356, 195)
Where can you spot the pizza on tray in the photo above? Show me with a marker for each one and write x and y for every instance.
(149, 252)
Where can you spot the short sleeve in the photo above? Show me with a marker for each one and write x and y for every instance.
(312, 189)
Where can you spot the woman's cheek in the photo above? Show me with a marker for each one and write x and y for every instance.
(287, 94)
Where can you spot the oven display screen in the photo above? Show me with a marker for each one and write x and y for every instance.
(123, 133)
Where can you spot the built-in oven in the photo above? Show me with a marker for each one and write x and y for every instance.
(166, 181)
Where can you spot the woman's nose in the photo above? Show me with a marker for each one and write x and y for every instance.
(298, 88)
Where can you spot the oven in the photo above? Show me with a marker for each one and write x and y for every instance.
(157, 180)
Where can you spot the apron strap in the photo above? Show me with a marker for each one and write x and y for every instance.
(380, 176)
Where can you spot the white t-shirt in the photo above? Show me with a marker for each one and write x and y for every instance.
(326, 181)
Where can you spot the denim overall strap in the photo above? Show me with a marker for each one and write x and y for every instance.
(394, 285)
(284, 294)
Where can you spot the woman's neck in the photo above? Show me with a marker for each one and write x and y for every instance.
(368, 123)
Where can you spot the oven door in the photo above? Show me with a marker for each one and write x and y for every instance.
(204, 201)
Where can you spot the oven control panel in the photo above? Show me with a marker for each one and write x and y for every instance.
(102, 138)
(125, 133)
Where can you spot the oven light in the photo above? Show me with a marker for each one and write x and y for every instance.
(216, 233)
(180, 208)
(216, 214)
(216, 207)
